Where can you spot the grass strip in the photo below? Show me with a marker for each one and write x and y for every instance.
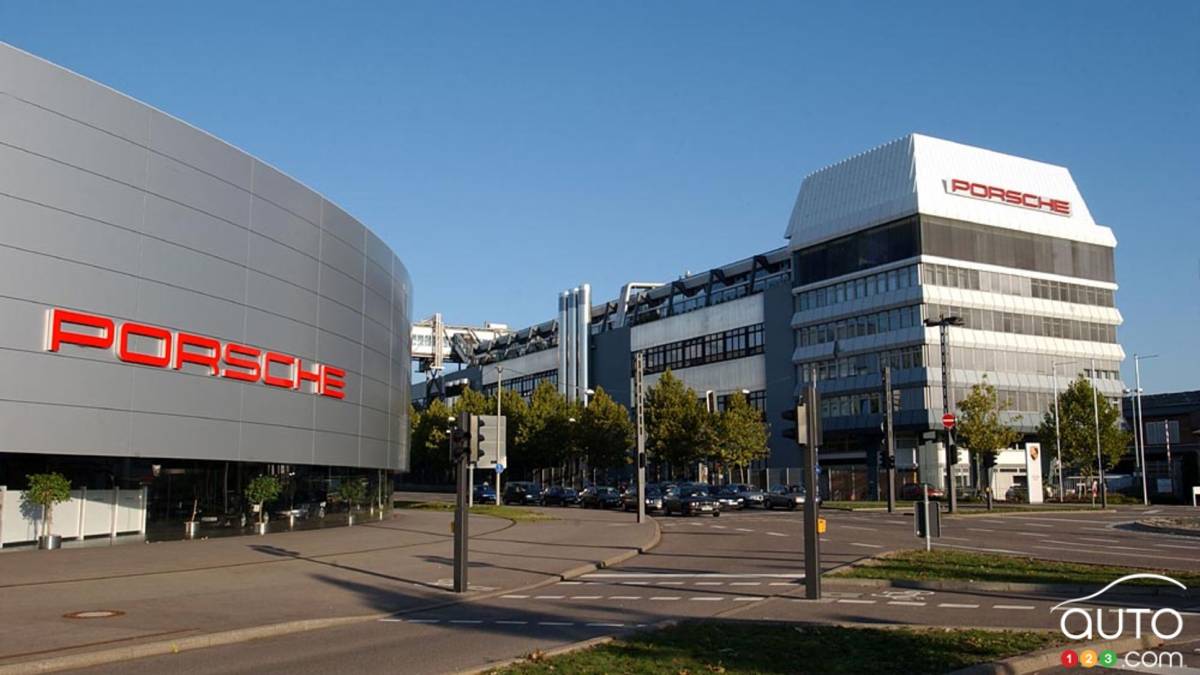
(970, 566)
(737, 648)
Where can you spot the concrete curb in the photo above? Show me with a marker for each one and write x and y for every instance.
(1051, 657)
(163, 647)
(1010, 587)
(571, 647)
(1159, 529)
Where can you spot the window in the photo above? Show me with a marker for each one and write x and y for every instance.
(712, 348)
(1009, 248)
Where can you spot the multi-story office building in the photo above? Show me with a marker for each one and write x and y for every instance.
(913, 231)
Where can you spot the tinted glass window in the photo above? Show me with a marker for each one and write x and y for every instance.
(859, 251)
(1009, 248)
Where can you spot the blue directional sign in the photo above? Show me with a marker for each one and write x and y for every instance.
(499, 468)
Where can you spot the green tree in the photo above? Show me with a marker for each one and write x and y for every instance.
(741, 433)
(473, 402)
(605, 434)
(514, 409)
(1077, 422)
(45, 490)
(980, 427)
(679, 428)
(547, 434)
(430, 442)
(260, 491)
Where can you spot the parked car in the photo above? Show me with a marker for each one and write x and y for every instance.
(751, 496)
(913, 491)
(691, 500)
(787, 497)
(560, 496)
(654, 499)
(600, 497)
(523, 493)
(1017, 493)
(729, 498)
(484, 492)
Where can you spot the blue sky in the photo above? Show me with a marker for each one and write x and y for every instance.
(509, 150)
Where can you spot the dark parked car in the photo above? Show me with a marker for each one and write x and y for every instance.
(691, 500)
(913, 491)
(485, 493)
(654, 499)
(751, 496)
(522, 492)
(600, 497)
(785, 497)
(730, 498)
(560, 496)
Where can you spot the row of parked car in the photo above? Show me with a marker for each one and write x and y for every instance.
(668, 498)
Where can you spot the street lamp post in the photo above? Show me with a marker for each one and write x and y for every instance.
(943, 323)
(1099, 457)
(1137, 419)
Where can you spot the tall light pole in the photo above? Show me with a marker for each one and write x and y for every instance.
(639, 394)
(1138, 421)
(1099, 457)
(943, 323)
(499, 396)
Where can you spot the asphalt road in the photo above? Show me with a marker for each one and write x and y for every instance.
(743, 565)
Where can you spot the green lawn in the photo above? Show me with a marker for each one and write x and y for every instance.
(519, 515)
(969, 566)
(737, 648)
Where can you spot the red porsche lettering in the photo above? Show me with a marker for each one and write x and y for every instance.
(966, 188)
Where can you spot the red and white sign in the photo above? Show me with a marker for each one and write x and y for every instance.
(173, 349)
(948, 420)
(1028, 200)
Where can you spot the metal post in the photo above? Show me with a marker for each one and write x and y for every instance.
(812, 541)
(641, 437)
(928, 523)
(891, 438)
(1099, 458)
(499, 395)
(1058, 435)
(951, 450)
(1170, 468)
(1139, 422)
(460, 527)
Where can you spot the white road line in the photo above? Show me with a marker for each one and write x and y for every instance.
(1153, 511)
(555, 623)
(1190, 548)
(707, 598)
(855, 527)
(777, 534)
(396, 621)
(1098, 529)
(605, 625)
(1038, 525)
(744, 529)
(781, 583)
(957, 605)
(569, 583)
(1013, 607)
(992, 522)
(418, 620)
(514, 597)
(1105, 551)
(906, 603)
(956, 538)
(746, 583)
(664, 598)
(548, 597)
(710, 583)
(512, 623)
(718, 527)
(979, 529)
(624, 597)
(855, 543)
(470, 621)
(851, 601)
(585, 597)
(669, 583)
(979, 548)
(748, 598)
(896, 522)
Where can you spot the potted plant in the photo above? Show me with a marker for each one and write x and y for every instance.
(45, 490)
(352, 491)
(258, 492)
(192, 526)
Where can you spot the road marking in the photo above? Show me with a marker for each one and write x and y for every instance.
(979, 548)
(664, 598)
(606, 625)
(555, 623)
(669, 583)
(395, 621)
(956, 538)
(569, 583)
(514, 597)
(855, 543)
(781, 583)
(979, 529)
(585, 597)
(1038, 525)
(512, 623)
(1013, 607)
(851, 601)
(707, 598)
(625, 597)
(777, 534)
(906, 603)
(718, 527)
(751, 598)
(470, 621)
(1175, 546)
(1105, 551)
(416, 620)
(711, 583)
(1153, 511)
(548, 597)
(744, 529)
(991, 521)
(897, 522)
(855, 527)
(956, 605)
(745, 583)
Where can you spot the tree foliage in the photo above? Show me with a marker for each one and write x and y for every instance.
(741, 433)
(546, 438)
(46, 490)
(1077, 423)
(262, 490)
(604, 434)
(980, 427)
(514, 409)
(430, 444)
(678, 426)
(473, 402)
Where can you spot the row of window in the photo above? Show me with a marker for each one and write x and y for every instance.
(864, 403)
(756, 399)
(862, 364)
(524, 384)
(1012, 284)
(1026, 324)
(1030, 404)
(715, 347)
(646, 312)
(857, 289)
(1003, 361)
(882, 321)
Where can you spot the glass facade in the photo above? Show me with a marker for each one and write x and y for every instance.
(856, 289)
(856, 252)
(524, 384)
(1021, 250)
(1027, 324)
(735, 343)
(883, 321)
(1014, 284)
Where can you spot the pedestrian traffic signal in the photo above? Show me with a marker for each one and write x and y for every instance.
(797, 430)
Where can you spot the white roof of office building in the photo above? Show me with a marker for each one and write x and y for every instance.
(912, 174)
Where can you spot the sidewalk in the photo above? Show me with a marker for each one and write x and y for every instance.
(177, 590)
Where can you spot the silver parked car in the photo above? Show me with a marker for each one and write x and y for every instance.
(751, 496)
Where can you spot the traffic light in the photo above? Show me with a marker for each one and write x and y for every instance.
(797, 430)
(887, 461)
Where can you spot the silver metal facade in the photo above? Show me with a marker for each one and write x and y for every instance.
(110, 207)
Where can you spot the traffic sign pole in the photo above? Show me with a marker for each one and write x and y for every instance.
(812, 489)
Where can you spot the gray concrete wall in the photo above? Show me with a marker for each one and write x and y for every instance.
(110, 207)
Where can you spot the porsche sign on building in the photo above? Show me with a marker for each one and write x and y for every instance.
(178, 316)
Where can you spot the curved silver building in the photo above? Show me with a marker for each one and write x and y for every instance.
(172, 306)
